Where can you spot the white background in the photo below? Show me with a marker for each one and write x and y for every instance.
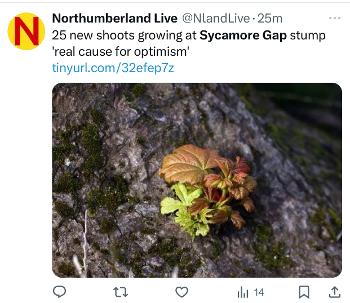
(25, 134)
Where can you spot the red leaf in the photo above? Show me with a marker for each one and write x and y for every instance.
(197, 206)
(248, 205)
(237, 220)
(241, 166)
(188, 164)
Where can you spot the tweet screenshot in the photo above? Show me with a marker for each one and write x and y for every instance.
(174, 152)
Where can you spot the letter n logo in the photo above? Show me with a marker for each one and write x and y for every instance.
(26, 31)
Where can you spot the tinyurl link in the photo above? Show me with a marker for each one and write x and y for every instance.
(121, 67)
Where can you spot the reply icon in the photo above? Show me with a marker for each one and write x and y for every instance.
(59, 291)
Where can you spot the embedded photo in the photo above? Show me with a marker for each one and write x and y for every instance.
(196, 180)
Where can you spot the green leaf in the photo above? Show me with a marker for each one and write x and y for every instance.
(181, 191)
(169, 205)
(184, 219)
(194, 195)
(205, 214)
(202, 229)
(186, 194)
(193, 225)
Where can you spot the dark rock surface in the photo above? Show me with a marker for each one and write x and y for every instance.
(108, 144)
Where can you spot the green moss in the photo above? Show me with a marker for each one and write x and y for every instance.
(92, 163)
(97, 117)
(55, 234)
(60, 152)
(188, 264)
(319, 217)
(269, 252)
(96, 246)
(64, 147)
(181, 141)
(105, 252)
(128, 97)
(133, 257)
(63, 209)
(93, 146)
(148, 230)
(135, 91)
(277, 259)
(255, 109)
(141, 140)
(91, 138)
(248, 104)
(94, 201)
(301, 161)
(116, 194)
(107, 226)
(66, 183)
(137, 264)
(244, 91)
(169, 251)
(327, 219)
(173, 255)
(196, 91)
(180, 94)
(248, 270)
(279, 135)
(286, 139)
(138, 89)
(118, 254)
(112, 199)
(292, 140)
(109, 197)
(206, 126)
(274, 130)
(132, 200)
(336, 220)
(264, 233)
(121, 185)
(66, 269)
(216, 251)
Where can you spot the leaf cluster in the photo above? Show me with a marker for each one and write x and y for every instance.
(209, 189)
